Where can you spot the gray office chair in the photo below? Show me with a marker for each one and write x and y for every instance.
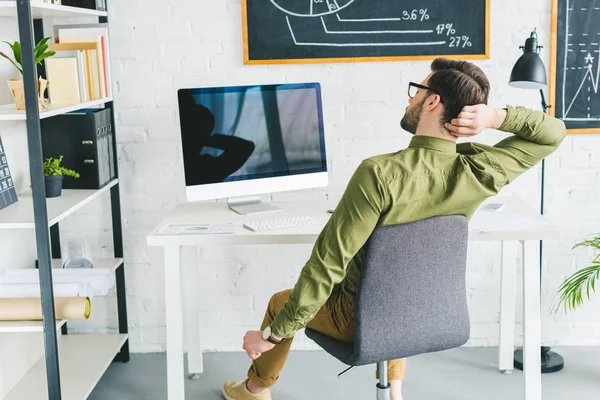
(411, 297)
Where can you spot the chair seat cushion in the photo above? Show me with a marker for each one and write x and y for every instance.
(341, 350)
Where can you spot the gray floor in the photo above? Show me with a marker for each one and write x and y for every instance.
(459, 374)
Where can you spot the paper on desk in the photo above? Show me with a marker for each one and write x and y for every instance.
(193, 229)
(490, 221)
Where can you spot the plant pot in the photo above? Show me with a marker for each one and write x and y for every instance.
(54, 185)
(18, 92)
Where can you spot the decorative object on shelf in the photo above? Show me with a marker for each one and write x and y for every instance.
(16, 85)
(54, 173)
(76, 259)
(583, 282)
(8, 195)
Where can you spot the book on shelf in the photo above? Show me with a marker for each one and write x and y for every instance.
(89, 32)
(63, 73)
(93, 69)
(99, 70)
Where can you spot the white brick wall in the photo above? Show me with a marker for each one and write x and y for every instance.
(363, 102)
(159, 47)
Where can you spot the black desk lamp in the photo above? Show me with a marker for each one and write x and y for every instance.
(529, 73)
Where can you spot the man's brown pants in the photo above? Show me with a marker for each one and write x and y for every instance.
(335, 319)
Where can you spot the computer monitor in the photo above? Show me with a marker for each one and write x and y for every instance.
(242, 141)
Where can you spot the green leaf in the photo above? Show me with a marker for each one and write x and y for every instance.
(40, 50)
(52, 167)
(17, 51)
(41, 44)
(44, 56)
(12, 62)
(12, 46)
(572, 290)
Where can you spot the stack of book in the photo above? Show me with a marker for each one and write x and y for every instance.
(80, 70)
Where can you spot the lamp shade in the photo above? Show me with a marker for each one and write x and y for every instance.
(529, 71)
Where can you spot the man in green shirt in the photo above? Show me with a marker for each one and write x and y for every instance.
(434, 176)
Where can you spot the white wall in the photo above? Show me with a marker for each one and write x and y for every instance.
(193, 44)
(159, 47)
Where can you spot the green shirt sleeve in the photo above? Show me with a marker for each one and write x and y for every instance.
(349, 227)
(536, 136)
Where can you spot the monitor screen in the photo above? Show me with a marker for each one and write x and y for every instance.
(251, 132)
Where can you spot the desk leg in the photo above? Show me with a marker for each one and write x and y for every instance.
(531, 321)
(507, 306)
(174, 319)
(192, 316)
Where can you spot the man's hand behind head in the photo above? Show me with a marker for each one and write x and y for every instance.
(472, 120)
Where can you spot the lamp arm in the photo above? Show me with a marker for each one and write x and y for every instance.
(545, 105)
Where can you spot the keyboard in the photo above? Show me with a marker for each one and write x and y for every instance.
(280, 223)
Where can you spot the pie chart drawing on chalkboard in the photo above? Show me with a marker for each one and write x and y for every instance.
(303, 31)
(311, 8)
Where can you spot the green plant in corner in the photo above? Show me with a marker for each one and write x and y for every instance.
(41, 53)
(583, 282)
(52, 167)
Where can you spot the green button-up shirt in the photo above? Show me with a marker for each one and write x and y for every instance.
(431, 177)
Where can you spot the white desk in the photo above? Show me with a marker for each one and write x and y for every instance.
(218, 212)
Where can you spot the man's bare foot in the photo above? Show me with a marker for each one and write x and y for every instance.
(396, 386)
(253, 387)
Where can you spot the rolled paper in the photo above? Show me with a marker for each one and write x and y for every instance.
(30, 309)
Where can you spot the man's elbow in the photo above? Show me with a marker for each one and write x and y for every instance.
(561, 132)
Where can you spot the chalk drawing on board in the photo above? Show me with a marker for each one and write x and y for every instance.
(389, 35)
(581, 102)
(311, 8)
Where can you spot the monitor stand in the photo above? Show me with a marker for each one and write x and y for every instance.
(250, 205)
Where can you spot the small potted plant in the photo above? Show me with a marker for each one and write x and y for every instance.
(581, 284)
(54, 173)
(16, 85)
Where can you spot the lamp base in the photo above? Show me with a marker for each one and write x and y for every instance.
(551, 361)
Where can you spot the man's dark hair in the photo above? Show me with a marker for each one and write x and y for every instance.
(460, 83)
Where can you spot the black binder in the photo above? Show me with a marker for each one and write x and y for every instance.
(85, 139)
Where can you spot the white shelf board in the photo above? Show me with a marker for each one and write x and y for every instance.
(9, 112)
(20, 214)
(83, 360)
(43, 10)
(26, 326)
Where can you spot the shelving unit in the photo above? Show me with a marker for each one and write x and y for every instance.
(72, 365)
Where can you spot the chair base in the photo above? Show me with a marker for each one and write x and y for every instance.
(384, 393)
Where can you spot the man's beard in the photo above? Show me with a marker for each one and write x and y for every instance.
(411, 118)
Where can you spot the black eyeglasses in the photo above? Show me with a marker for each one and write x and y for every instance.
(413, 90)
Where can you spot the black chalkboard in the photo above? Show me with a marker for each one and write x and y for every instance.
(289, 31)
(576, 67)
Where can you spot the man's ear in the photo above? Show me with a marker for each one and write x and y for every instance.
(432, 102)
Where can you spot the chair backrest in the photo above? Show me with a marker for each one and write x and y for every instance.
(412, 294)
